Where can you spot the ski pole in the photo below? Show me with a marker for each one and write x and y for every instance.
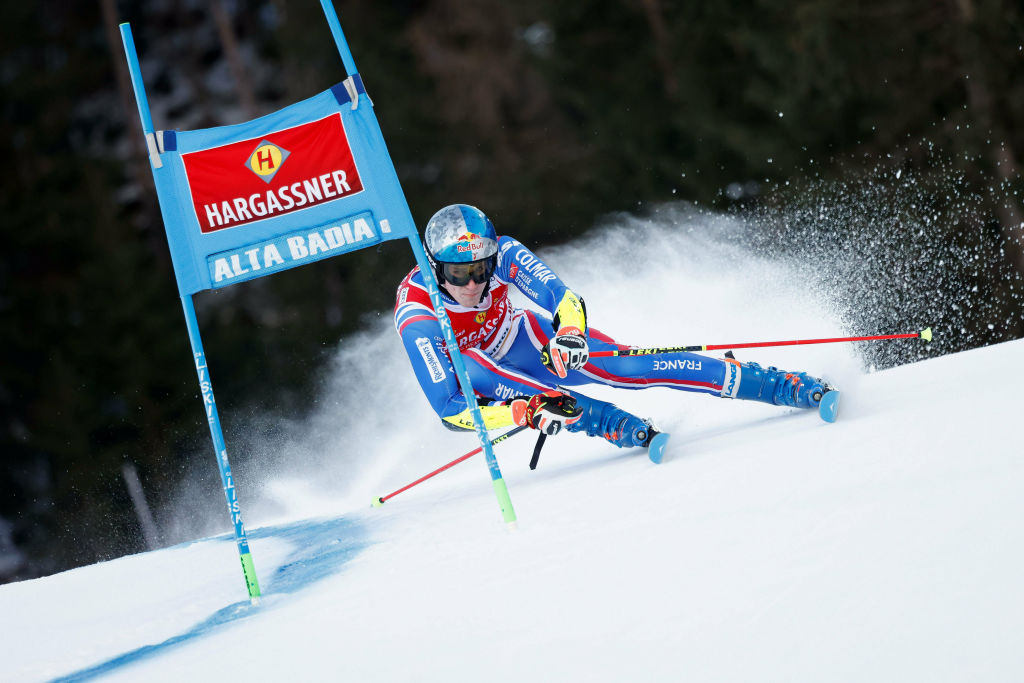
(377, 502)
(925, 334)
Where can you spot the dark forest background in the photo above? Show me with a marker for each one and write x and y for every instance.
(546, 114)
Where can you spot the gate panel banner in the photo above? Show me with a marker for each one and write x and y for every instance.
(307, 182)
(282, 172)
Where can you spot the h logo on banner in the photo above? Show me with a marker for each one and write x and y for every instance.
(266, 160)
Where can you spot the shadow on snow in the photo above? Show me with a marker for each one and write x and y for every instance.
(321, 548)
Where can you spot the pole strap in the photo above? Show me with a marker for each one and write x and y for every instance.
(536, 450)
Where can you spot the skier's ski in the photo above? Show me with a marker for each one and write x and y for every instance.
(828, 408)
(656, 449)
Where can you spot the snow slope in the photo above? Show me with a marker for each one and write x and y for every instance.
(768, 546)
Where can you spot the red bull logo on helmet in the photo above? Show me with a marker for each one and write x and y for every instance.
(474, 243)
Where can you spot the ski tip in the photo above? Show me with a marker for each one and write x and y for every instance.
(926, 334)
(828, 408)
(656, 449)
(377, 502)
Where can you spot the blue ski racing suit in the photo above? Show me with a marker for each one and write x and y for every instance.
(502, 347)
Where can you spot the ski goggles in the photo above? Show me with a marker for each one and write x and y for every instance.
(459, 274)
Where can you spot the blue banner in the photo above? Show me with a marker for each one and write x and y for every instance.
(310, 181)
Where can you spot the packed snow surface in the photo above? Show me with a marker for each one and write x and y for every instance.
(769, 546)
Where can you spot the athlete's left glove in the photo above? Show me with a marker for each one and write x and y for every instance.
(567, 350)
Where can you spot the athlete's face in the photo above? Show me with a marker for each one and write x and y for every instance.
(468, 295)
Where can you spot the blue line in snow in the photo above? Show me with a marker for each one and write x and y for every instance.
(321, 548)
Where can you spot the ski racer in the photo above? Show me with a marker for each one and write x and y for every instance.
(525, 366)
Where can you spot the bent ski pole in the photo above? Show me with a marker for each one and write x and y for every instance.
(377, 502)
(925, 334)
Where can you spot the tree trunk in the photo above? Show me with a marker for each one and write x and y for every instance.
(226, 32)
(1002, 155)
(662, 47)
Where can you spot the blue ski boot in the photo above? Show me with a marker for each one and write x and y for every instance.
(612, 423)
(770, 385)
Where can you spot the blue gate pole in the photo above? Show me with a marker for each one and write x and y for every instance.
(508, 514)
(248, 568)
(221, 450)
(500, 488)
(339, 37)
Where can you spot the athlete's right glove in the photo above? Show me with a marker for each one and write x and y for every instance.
(567, 350)
(547, 412)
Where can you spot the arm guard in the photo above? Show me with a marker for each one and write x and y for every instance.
(495, 417)
(571, 312)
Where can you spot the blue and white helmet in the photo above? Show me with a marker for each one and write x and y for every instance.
(460, 234)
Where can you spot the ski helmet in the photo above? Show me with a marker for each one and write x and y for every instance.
(457, 236)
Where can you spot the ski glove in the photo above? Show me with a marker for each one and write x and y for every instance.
(547, 412)
(566, 351)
